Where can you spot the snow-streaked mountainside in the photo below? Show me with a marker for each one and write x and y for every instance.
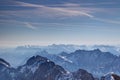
(41, 68)
(94, 61)
(110, 76)
(17, 56)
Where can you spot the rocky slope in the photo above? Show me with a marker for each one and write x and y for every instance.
(110, 76)
(94, 61)
(40, 68)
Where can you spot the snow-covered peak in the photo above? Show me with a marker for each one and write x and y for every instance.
(65, 59)
(108, 76)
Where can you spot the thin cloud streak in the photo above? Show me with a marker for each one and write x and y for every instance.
(51, 11)
(30, 26)
(107, 20)
(82, 4)
(61, 26)
(24, 24)
(54, 12)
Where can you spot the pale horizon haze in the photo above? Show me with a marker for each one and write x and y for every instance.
(45, 22)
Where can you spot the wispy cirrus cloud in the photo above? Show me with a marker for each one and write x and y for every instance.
(68, 10)
(30, 26)
(107, 20)
(49, 11)
(83, 4)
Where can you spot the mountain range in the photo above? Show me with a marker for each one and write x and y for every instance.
(18, 55)
(94, 61)
(40, 68)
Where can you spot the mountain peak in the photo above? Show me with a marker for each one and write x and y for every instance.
(110, 76)
(35, 59)
(97, 50)
(83, 75)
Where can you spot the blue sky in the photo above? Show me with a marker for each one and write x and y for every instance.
(43, 22)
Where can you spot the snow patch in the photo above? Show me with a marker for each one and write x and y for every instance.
(4, 64)
(33, 69)
(48, 60)
(22, 69)
(63, 57)
(109, 76)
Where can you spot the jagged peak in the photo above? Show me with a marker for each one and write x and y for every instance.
(35, 59)
(63, 53)
(81, 71)
(108, 76)
(97, 50)
(110, 73)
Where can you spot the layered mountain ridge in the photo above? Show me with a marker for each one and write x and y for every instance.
(41, 68)
(64, 66)
(18, 55)
(95, 61)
